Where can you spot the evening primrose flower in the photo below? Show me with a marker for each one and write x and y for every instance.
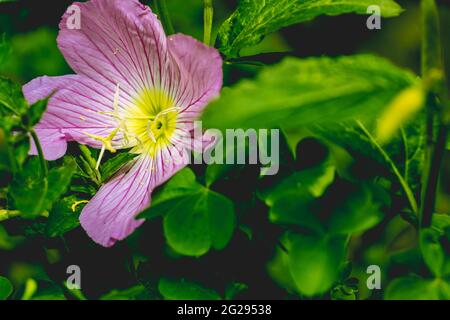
(134, 88)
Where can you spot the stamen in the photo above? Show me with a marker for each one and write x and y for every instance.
(77, 203)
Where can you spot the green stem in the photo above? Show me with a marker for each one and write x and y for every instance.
(43, 162)
(163, 13)
(208, 15)
(409, 194)
(431, 61)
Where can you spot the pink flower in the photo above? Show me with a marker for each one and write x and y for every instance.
(133, 88)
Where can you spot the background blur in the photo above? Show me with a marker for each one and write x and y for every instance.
(30, 29)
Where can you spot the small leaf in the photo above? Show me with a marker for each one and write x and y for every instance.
(233, 289)
(6, 288)
(110, 167)
(183, 290)
(36, 111)
(58, 181)
(134, 293)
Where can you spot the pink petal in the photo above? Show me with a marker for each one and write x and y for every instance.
(118, 42)
(77, 107)
(110, 215)
(201, 67)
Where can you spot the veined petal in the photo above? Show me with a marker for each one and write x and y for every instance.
(201, 68)
(118, 42)
(76, 108)
(110, 215)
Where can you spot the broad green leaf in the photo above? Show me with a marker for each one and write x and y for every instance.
(62, 217)
(314, 261)
(5, 49)
(6, 288)
(199, 222)
(254, 19)
(183, 290)
(8, 242)
(195, 217)
(415, 288)
(358, 212)
(110, 167)
(300, 92)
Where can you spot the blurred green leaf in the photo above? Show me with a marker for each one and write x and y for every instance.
(314, 261)
(415, 288)
(233, 289)
(254, 19)
(134, 293)
(183, 290)
(432, 245)
(36, 111)
(6, 288)
(299, 92)
(359, 211)
(12, 104)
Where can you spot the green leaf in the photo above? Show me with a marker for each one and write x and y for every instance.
(291, 199)
(299, 92)
(110, 167)
(415, 288)
(359, 211)
(6, 288)
(58, 181)
(12, 104)
(33, 194)
(254, 19)
(62, 218)
(5, 49)
(134, 293)
(199, 222)
(36, 111)
(183, 290)
(432, 247)
(29, 189)
(314, 261)
(195, 217)
(233, 289)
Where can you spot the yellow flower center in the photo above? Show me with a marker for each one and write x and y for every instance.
(151, 121)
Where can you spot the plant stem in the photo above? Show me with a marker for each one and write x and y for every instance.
(43, 162)
(431, 61)
(208, 15)
(163, 13)
(409, 193)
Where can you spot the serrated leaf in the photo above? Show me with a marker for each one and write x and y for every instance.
(62, 217)
(254, 19)
(300, 92)
(183, 290)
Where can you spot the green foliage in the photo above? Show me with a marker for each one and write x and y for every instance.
(134, 293)
(415, 288)
(299, 92)
(254, 19)
(184, 290)
(6, 288)
(195, 217)
(110, 167)
(63, 217)
(314, 261)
